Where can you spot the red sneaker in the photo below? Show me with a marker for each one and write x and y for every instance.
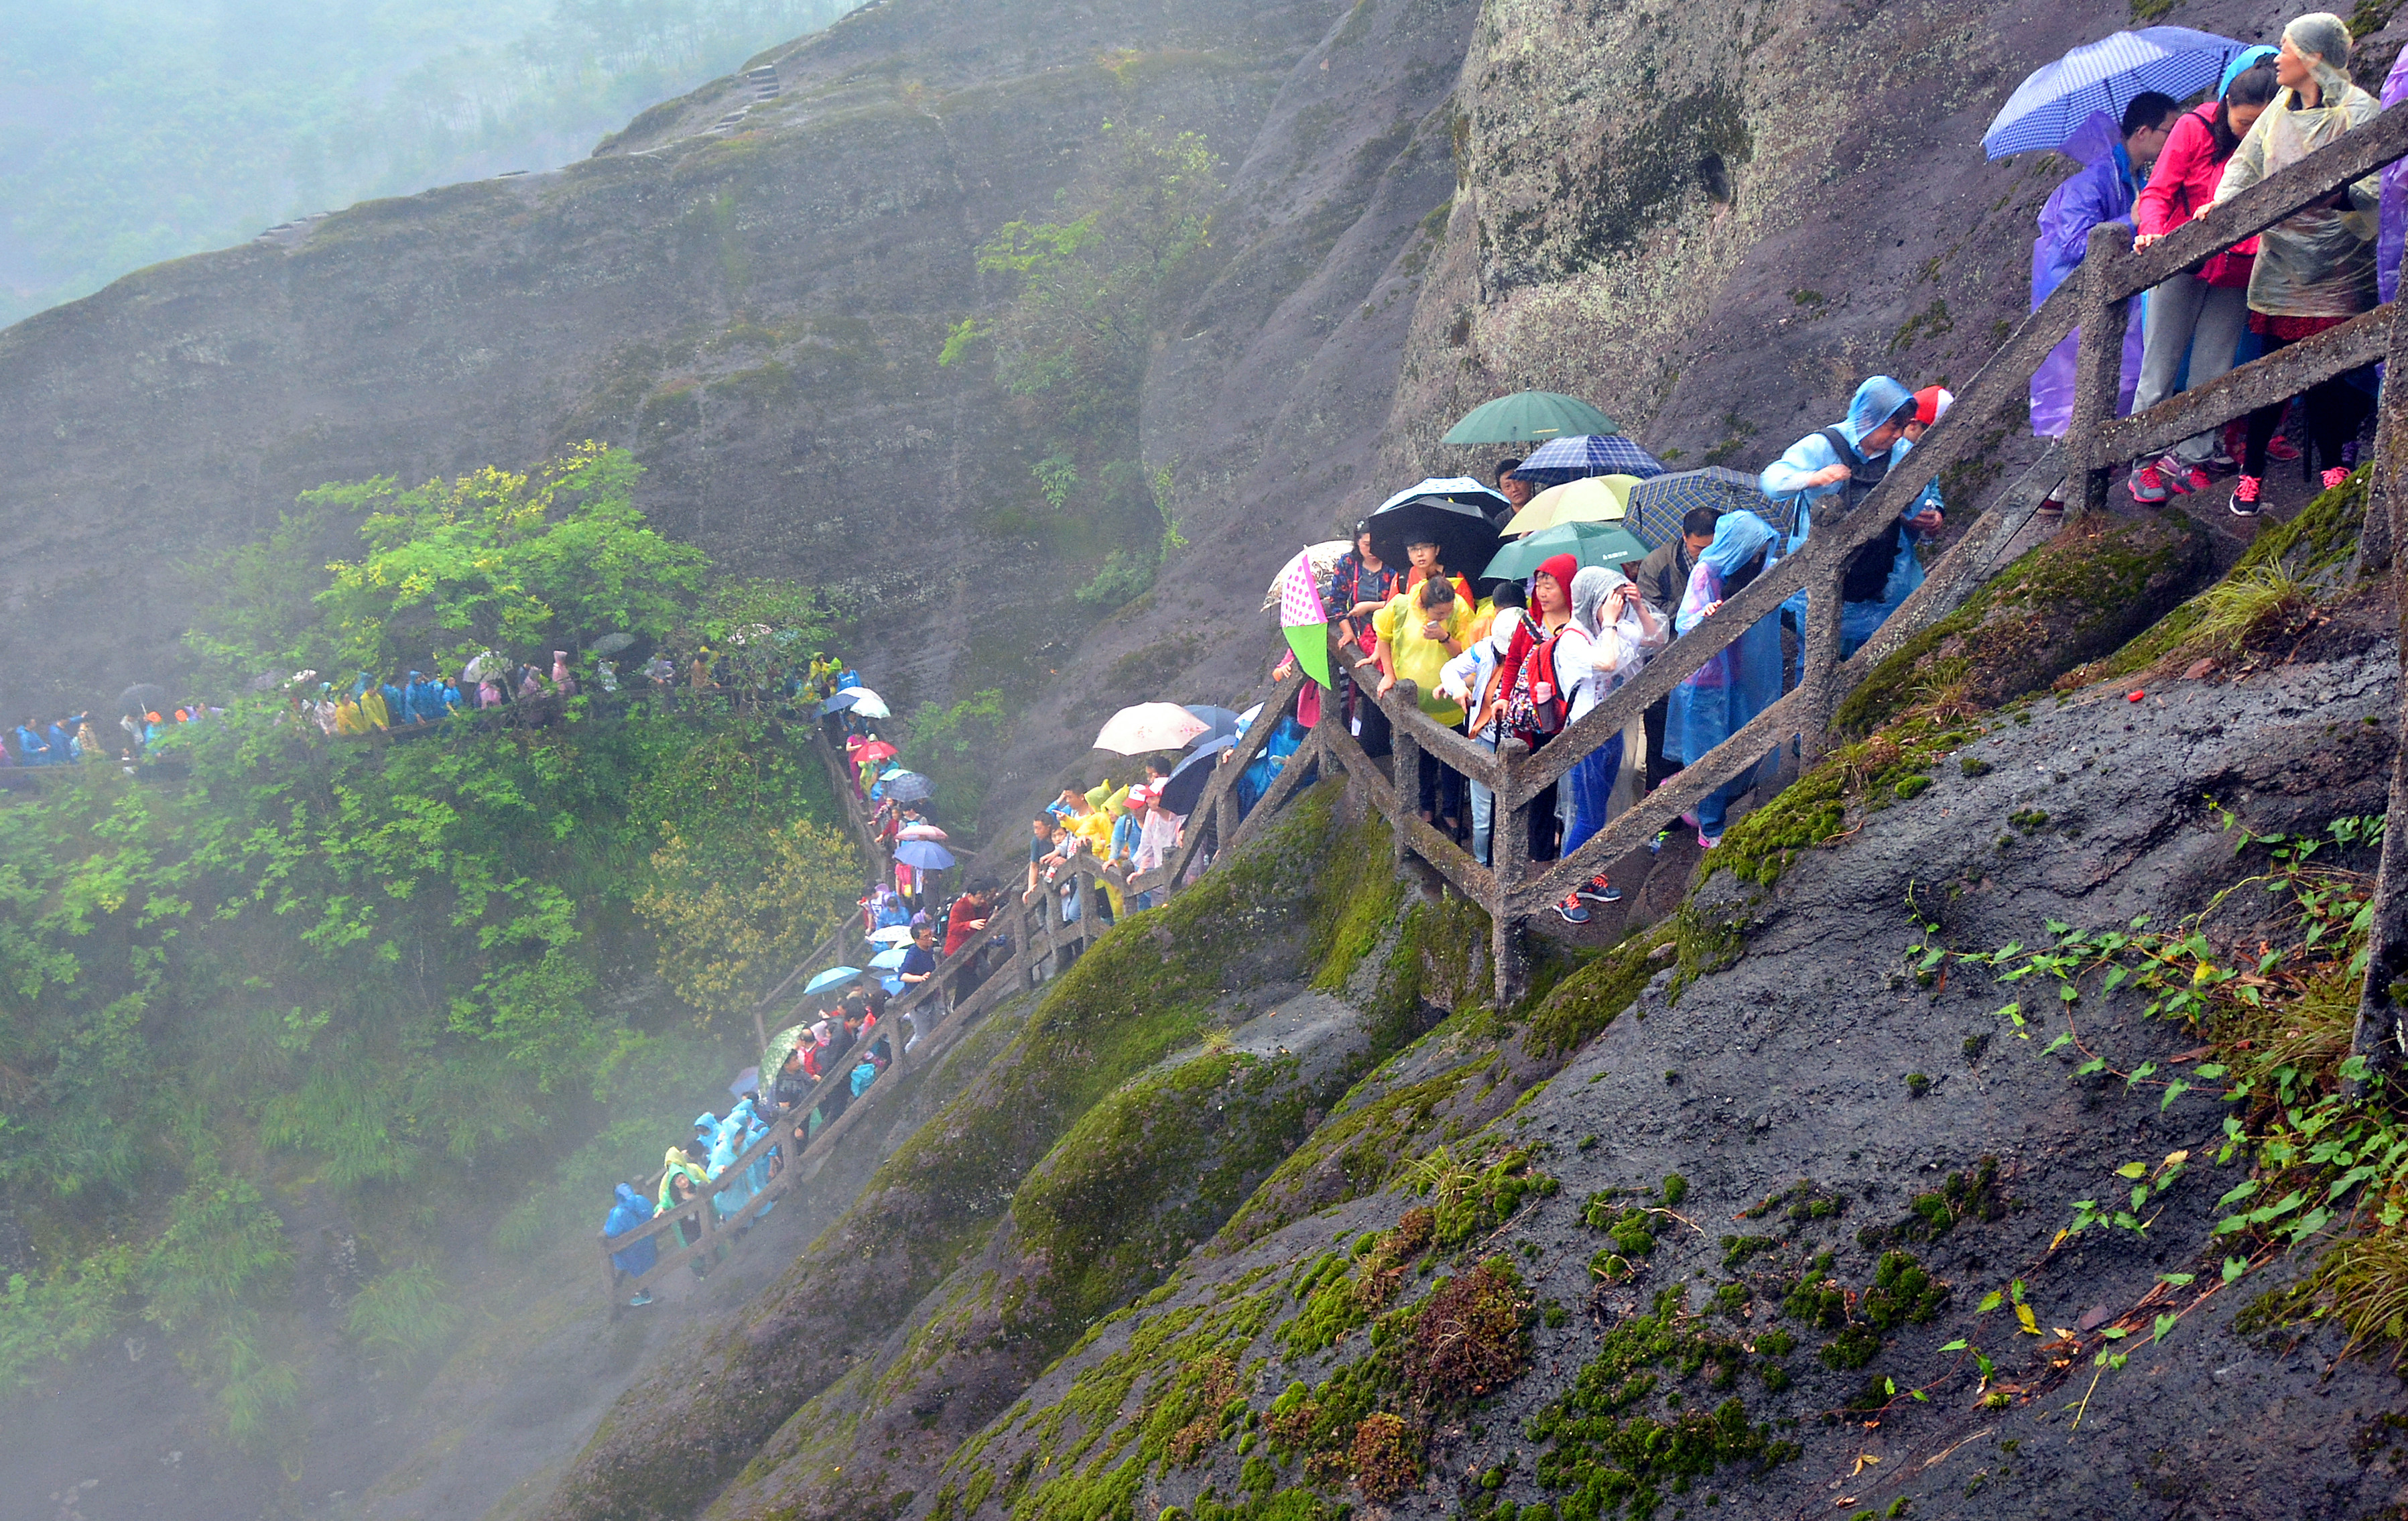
(2282, 449)
(2245, 497)
(2147, 486)
(2194, 479)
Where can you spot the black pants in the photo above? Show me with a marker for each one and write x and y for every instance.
(1440, 788)
(1376, 737)
(1660, 766)
(2335, 410)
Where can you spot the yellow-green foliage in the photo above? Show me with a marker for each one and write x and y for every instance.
(1865, 777)
(2282, 558)
(1361, 893)
(405, 1315)
(1577, 1008)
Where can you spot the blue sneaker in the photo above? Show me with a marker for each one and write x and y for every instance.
(1573, 911)
(1599, 890)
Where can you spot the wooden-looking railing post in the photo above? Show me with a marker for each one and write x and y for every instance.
(2378, 537)
(2099, 365)
(1819, 653)
(1509, 851)
(1407, 752)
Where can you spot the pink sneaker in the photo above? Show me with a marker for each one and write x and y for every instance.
(2147, 486)
(2335, 477)
(2245, 497)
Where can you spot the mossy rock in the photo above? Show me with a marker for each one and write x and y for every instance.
(2083, 593)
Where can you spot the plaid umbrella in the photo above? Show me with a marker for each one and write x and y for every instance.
(910, 787)
(2105, 76)
(1658, 506)
(1582, 454)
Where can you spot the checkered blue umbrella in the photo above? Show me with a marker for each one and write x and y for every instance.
(2105, 76)
(1658, 505)
(1586, 454)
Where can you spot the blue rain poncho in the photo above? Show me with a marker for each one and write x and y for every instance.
(2101, 191)
(734, 1190)
(1876, 401)
(1744, 679)
(863, 1076)
(632, 1209)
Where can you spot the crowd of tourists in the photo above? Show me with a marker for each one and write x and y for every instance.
(74, 740)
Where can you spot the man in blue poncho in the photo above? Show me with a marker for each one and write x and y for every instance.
(632, 1209)
(1833, 470)
(31, 748)
(2115, 159)
(1737, 683)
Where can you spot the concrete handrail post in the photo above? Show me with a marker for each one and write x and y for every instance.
(1509, 854)
(1819, 652)
(1406, 769)
(2098, 363)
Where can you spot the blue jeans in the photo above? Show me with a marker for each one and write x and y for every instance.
(1484, 808)
(1591, 780)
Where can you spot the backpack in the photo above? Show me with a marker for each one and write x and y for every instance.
(1526, 715)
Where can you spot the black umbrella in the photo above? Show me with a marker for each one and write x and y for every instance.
(1186, 784)
(1465, 538)
(142, 697)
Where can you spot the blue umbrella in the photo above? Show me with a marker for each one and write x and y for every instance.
(747, 1081)
(1224, 720)
(833, 977)
(1586, 454)
(2105, 76)
(925, 854)
(890, 959)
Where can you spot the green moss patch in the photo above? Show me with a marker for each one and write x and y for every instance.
(1584, 1003)
(2079, 595)
(1856, 781)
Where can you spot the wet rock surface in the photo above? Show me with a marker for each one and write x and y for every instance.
(1780, 1089)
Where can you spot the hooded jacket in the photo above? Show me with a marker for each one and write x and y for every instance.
(632, 1209)
(2319, 262)
(2103, 190)
(1744, 677)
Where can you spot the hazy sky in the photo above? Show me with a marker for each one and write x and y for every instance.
(133, 131)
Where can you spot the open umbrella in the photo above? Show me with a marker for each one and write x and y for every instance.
(891, 934)
(611, 644)
(747, 1081)
(1186, 783)
(142, 697)
(1324, 561)
(1600, 499)
(923, 855)
(1559, 460)
(1463, 534)
(1590, 543)
(2105, 76)
(919, 831)
(1493, 504)
(867, 703)
(1658, 506)
(909, 787)
(1528, 416)
(875, 750)
(1149, 726)
(1219, 721)
(833, 977)
(1304, 618)
(888, 960)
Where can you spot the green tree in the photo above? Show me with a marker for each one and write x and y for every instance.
(503, 559)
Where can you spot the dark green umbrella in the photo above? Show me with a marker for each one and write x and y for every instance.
(1529, 417)
(1590, 543)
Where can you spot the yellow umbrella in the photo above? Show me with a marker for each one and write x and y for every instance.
(1598, 498)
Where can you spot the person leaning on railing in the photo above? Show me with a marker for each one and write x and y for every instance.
(1419, 633)
(2315, 268)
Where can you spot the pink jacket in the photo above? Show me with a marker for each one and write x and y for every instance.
(2183, 182)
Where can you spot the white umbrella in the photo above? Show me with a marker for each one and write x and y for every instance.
(919, 831)
(891, 934)
(1150, 726)
(867, 703)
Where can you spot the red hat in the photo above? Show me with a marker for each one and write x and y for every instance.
(1563, 568)
(1932, 403)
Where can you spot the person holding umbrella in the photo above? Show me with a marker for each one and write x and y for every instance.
(1361, 583)
(2314, 269)
(2115, 159)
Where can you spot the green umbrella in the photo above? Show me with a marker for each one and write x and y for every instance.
(1590, 543)
(1529, 417)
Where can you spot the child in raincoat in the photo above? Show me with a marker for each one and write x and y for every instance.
(1739, 681)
